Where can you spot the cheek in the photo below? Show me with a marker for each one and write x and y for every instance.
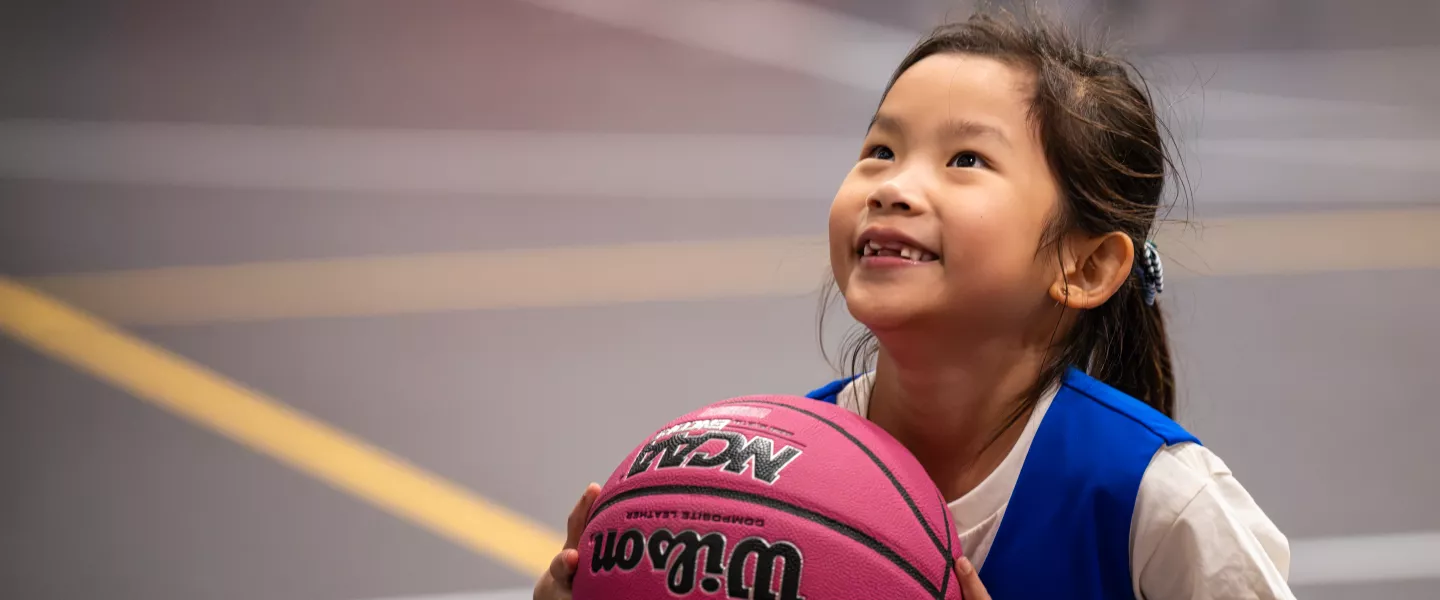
(992, 248)
(845, 213)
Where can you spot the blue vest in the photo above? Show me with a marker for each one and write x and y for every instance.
(1066, 531)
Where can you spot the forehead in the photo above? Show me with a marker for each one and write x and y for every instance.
(944, 87)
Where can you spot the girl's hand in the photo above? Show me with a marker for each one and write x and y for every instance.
(555, 584)
(970, 584)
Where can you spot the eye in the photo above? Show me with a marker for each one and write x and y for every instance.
(880, 152)
(968, 160)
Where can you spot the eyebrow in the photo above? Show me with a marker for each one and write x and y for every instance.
(962, 128)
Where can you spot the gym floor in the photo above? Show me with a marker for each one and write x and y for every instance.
(342, 300)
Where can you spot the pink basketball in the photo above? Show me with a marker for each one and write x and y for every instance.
(770, 498)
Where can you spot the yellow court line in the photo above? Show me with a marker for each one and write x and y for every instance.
(270, 427)
(677, 271)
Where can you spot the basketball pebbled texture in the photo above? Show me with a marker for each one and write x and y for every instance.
(771, 498)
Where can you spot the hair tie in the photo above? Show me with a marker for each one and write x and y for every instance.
(1150, 271)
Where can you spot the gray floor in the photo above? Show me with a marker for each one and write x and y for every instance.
(1316, 388)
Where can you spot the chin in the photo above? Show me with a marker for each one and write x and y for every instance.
(880, 313)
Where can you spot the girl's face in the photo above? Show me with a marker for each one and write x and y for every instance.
(939, 222)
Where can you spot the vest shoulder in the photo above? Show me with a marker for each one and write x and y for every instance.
(1127, 406)
(830, 392)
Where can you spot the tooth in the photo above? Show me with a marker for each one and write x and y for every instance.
(908, 253)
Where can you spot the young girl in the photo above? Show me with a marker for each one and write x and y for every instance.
(992, 238)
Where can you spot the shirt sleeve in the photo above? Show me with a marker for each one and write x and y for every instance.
(1198, 535)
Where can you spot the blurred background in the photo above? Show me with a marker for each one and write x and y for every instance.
(378, 286)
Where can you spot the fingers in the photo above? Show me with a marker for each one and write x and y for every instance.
(555, 584)
(562, 569)
(970, 584)
(576, 524)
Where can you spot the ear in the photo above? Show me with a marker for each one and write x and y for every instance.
(1094, 267)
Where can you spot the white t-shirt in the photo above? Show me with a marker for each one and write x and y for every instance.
(1196, 533)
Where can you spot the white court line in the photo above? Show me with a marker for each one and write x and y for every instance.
(1314, 562)
(501, 164)
(1359, 559)
(504, 165)
(799, 37)
(834, 46)
(512, 594)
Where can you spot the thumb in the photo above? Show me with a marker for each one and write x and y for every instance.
(575, 526)
(970, 580)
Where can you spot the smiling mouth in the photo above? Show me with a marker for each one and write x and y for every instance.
(896, 250)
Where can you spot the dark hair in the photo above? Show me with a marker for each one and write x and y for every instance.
(1103, 142)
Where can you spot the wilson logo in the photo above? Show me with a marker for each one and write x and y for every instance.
(758, 453)
(777, 566)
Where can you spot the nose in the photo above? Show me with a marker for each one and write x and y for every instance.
(890, 196)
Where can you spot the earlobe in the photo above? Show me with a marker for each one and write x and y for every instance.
(1067, 295)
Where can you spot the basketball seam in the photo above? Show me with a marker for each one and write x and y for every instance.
(760, 430)
(914, 509)
(828, 522)
(949, 547)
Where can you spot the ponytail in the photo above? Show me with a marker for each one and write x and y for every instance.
(1124, 344)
